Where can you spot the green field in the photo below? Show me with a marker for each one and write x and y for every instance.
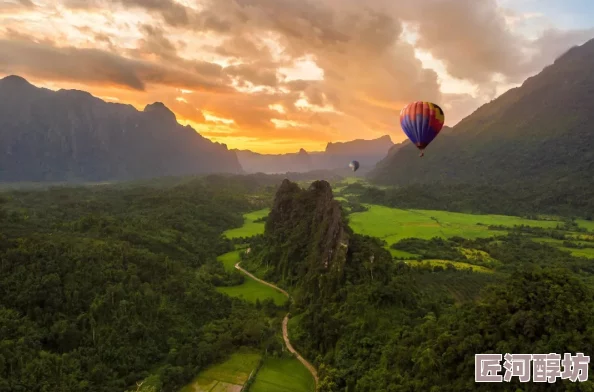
(249, 228)
(283, 375)
(584, 252)
(250, 290)
(392, 224)
(456, 264)
(401, 254)
(230, 259)
(228, 376)
(589, 225)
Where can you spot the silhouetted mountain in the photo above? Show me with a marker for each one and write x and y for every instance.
(367, 152)
(253, 162)
(538, 135)
(335, 156)
(69, 135)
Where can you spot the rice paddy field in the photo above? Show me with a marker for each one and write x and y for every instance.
(230, 259)
(283, 375)
(456, 264)
(250, 227)
(393, 225)
(228, 376)
(250, 290)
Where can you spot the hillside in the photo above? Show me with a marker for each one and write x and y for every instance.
(335, 156)
(69, 135)
(537, 135)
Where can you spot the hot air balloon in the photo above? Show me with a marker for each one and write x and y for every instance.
(421, 122)
(354, 165)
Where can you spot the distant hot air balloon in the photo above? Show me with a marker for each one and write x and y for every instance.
(421, 122)
(354, 165)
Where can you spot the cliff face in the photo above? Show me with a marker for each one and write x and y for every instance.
(308, 245)
(306, 238)
(69, 135)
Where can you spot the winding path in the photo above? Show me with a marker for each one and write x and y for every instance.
(308, 365)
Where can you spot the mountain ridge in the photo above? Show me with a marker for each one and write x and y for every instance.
(71, 135)
(336, 155)
(537, 133)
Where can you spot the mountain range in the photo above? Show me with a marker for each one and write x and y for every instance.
(536, 136)
(72, 136)
(540, 134)
(69, 135)
(336, 156)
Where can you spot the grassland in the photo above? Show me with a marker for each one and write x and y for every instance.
(456, 264)
(250, 290)
(283, 375)
(228, 376)
(583, 252)
(250, 227)
(587, 224)
(230, 259)
(392, 224)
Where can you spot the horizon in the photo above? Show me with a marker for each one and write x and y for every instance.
(274, 79)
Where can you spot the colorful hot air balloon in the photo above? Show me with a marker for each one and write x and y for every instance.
(354, 165)
(421, 122)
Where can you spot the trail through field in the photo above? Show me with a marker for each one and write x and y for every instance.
(308, 365)
(261, 281)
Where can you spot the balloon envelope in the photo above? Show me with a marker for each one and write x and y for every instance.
(421, 122)
(354, 165)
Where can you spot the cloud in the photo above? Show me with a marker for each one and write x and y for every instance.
(459, 106)
(172, 12)
(260, 74)
(95, 66)
(155, 42)
(553, 43)
(368, 65)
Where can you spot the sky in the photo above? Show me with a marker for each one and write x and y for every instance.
(274, 76)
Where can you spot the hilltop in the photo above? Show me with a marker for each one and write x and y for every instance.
(70, 135)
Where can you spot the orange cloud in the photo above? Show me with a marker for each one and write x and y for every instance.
(282, 74)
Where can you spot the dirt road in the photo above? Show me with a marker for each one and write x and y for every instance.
(308, 365)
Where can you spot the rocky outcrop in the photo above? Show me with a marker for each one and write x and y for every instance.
(306, 239)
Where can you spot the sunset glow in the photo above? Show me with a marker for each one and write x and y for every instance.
(283, 75)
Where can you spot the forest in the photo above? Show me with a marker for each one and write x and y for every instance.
(101, 286)
(513, 199)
